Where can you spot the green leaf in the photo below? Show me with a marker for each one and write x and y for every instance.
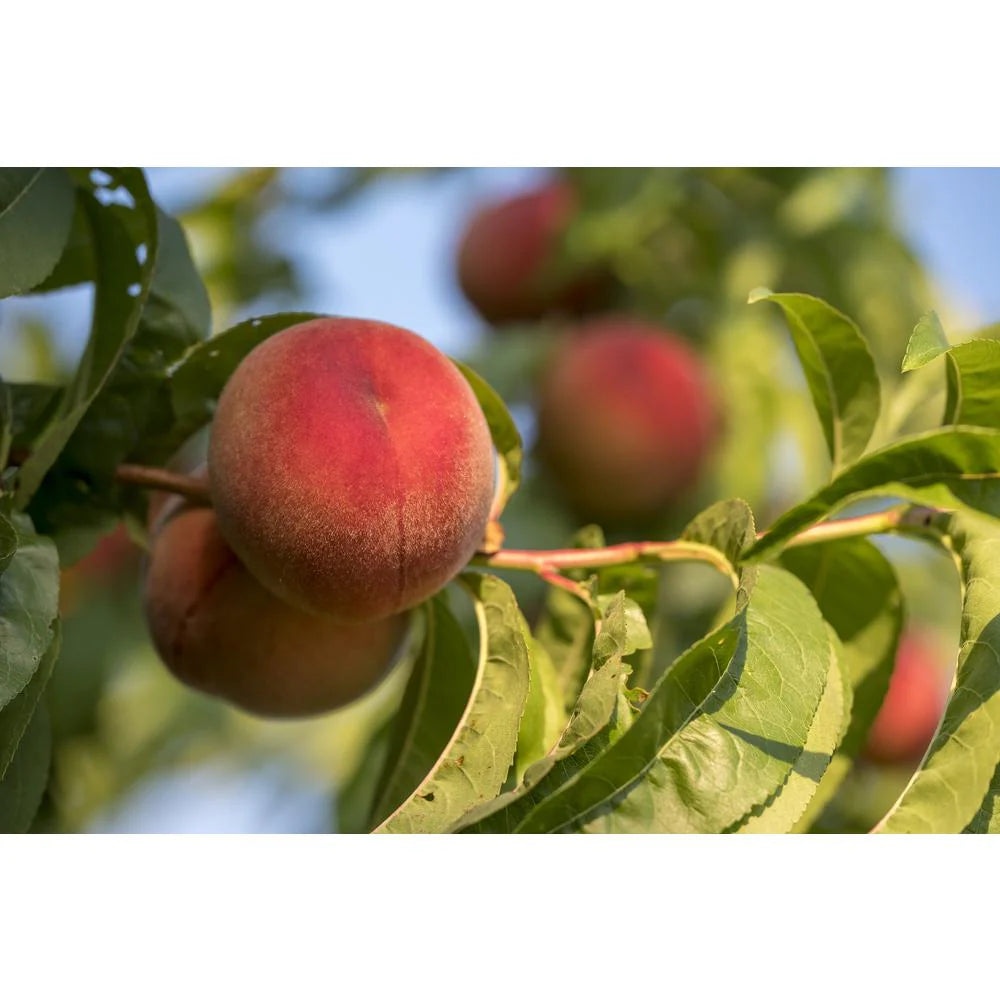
(858, 593)
(29, 605)
(120, 226)
(927, 342)
(947, 790)
(506, 438)
(473, 766)
(727, 526)
(566, 628)
(786, 808)
(987, 819)
(198, 379)
(839, 370)
(15, 718)
(76, 263)
(544, 714)
(33, 407)
(973, 380)
(131, 419)
(36, 210)
(433, 703)
(176, 281)
(585, 733)
(24, 784)
(8, 540)
(950, 468)
(718, 734)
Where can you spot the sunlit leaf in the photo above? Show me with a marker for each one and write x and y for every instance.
(973, 378)
(473, 766)
(858, 594)
(948, 788)
(839, 370)
(927, 342)
(587, 731)
(951, 468)
(718, 734)
(786, 807)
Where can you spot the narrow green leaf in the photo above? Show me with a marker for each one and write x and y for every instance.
(839, 370)
(973, 381)
(544, 714)
(947, 790)
(506, 438)
(15, 718)
(927, 342)
(473, 766)
(950, 468)
(24, 784)
(586, 732)
(433, 703)
(719, 732)
(122, 283)
(566, 629)
(36, 210)
(786, 808)
(176, 281)
(29, 605)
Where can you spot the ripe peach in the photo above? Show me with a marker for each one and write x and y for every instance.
(351, 467)
(504, 258)
(218, 630)
(909, 716)
(626, 419)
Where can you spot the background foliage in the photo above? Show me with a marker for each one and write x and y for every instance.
(90, 718)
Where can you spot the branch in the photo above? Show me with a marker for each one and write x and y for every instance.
(195, 488)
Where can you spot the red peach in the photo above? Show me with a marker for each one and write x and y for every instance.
(626, 418)
(219, 631)
(909, 716)
(504, 258)
(351, 467)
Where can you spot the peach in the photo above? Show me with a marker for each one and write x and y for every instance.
(351, 467)
(219, 631)
(505, 258)
(913, 706)
(626, 419)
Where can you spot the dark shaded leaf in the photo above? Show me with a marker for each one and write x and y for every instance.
(36, 210)
(29, 604)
